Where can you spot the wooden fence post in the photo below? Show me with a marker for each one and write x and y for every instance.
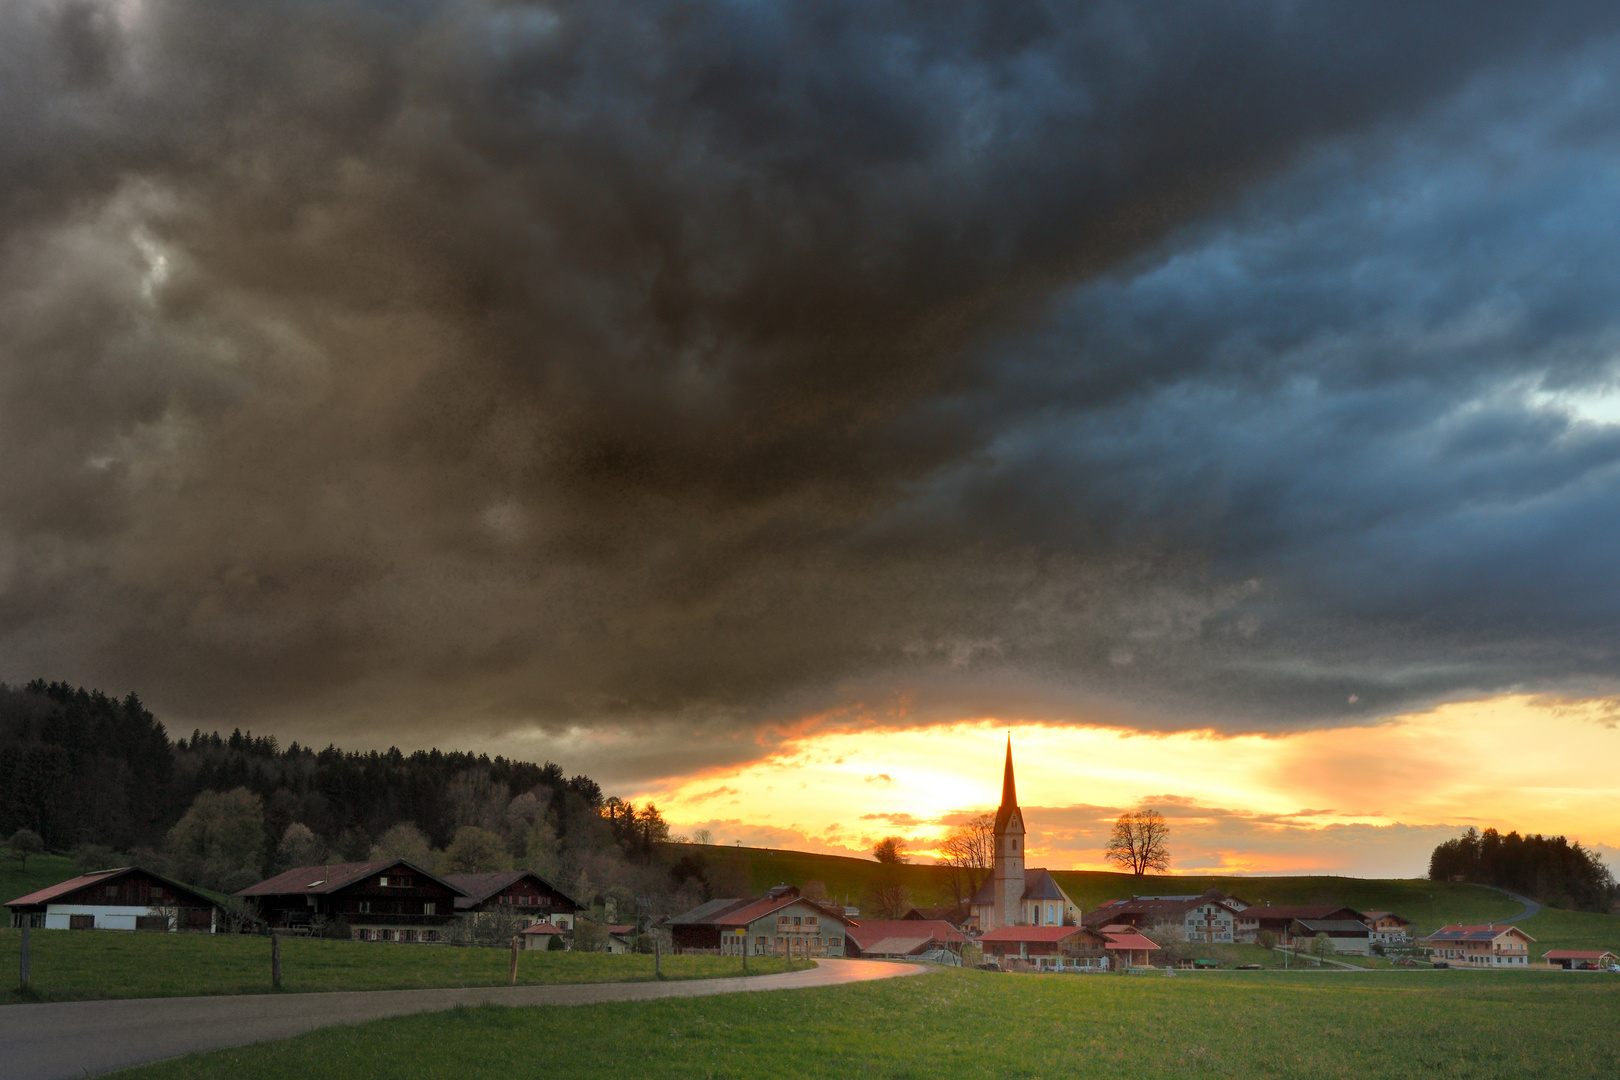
(658, 971)
(22, 962)
(275, 960)
(514, 959)
(745, 950)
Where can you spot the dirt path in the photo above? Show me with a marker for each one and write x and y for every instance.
(57, 1040)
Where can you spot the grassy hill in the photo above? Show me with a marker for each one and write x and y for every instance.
(1429, 904)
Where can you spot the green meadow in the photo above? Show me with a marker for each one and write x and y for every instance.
(970, 1025)
(76, 965)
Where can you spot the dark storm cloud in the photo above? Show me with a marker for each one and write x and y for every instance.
(389, 368)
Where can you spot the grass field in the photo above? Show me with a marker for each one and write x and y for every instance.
(969, 1025)
(70, 965)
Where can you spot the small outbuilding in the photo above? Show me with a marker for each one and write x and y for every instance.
(1350, 936)
(127, 898)
(902, 937)
(1578, 959)
(541, 937)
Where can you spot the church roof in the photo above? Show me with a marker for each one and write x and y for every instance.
(1009, 794)
(1039, 884)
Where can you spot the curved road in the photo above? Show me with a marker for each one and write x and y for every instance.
(1531, 908)
(57, 1040)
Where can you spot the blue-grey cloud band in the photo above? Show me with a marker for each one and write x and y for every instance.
(699, 366)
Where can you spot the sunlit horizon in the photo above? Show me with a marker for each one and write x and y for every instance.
(1367, 801)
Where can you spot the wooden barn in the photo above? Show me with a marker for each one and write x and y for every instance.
(381, 899)
(128, 898)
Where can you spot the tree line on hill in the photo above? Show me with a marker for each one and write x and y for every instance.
(1550, 869)
(100, 778)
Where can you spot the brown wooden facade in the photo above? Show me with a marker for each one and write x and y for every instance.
(380, 900)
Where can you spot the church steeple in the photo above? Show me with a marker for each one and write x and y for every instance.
(1007, 873)
(1009, 793)
(1009, 790)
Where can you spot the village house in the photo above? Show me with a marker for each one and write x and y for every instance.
(522, 893)
(1046, 948)
(1210, 917)
(1012, 895)
(126, 898)
(1347, 935)
(767, 925)
(1580, 959)
(902, 937)
(381, 900)
(1483, 946)
(1389, 929)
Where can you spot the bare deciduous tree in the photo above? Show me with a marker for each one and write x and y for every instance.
(1138, 844)
(970, 852)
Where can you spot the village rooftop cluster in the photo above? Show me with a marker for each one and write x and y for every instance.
(1019, 919)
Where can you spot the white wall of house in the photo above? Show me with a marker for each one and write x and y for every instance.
(107, 917)
(1211, 922)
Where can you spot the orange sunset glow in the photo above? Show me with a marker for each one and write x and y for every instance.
(1370, 800)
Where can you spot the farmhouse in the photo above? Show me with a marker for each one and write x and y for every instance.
(902, 937)
(1348, 935)
(381, 899)
(128, 898)
(769, 924)
(1012, 896)
(522, 893)
(1488, 945)
(1577, 959)
(1389, 928)
(1047, 948)
(1210, 917)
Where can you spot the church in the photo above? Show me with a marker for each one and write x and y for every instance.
(1012, 895)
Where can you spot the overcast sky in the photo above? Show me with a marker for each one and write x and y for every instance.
(670, 379)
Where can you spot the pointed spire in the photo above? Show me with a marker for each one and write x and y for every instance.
(1009, 790)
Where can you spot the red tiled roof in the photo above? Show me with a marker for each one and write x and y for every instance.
(1477, 932)
(74, 884)
(1128, 941)
(1576, 954)
(765, 905)
(868, 932)
(61, 888)
(540, 928)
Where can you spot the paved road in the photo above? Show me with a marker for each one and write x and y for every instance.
(58, 1040)
(1531, 908)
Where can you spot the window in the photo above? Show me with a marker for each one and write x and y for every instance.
(781, 920)
(796, 920)
(430, 908)
(383, 881)
(810, 920)
(365, 907)
(835, 941)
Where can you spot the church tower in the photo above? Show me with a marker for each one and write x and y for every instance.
(1008, 875)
